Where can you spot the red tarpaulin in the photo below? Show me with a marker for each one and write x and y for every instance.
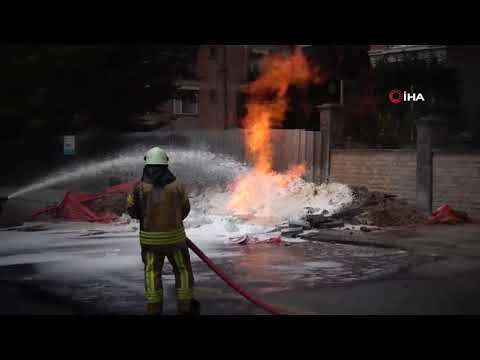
(74, 205)
(446, 215)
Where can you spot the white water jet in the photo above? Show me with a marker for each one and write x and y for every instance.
(196, 167)
(78, 172)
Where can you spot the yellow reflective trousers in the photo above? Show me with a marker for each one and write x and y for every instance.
(153, 262)
(161, 211)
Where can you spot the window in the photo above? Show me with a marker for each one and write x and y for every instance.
(212, 95)
(186, 103)
(212, 52)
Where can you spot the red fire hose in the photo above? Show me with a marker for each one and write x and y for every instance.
(272, 310)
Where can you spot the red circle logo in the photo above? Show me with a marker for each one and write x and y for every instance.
(395, 96)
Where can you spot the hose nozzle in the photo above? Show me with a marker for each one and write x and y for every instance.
(3, 200)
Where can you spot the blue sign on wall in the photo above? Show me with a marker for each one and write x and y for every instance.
(69, 145)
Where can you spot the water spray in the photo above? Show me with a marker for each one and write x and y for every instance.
(196, 166)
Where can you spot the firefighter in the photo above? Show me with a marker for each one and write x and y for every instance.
(160, 203)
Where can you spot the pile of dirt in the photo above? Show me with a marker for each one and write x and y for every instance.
(380, 209)
(395, 213)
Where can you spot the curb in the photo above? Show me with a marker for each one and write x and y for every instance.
(342, 239)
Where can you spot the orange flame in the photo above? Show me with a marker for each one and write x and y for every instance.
(280, 71)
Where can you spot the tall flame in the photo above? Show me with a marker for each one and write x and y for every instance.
(266, 106)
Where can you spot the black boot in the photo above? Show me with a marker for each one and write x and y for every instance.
(195, 307)
(155, 309)
(191, 307)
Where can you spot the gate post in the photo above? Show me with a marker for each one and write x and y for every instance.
(332, 124)
(424, 171)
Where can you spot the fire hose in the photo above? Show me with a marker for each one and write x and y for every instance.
(269, 308)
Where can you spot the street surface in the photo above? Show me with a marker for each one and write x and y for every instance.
(84, 268)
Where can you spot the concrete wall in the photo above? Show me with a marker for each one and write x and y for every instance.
(456, 176)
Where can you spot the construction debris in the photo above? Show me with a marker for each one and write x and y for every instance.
(367, 208)
(257, 239)
(330, 225)
(300, 223)
(292, 232)
(316, 219)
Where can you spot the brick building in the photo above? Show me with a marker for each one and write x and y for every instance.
(212, 101)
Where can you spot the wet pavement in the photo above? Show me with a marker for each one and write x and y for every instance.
(102, 273)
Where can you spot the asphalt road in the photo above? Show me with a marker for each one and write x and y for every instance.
(69, 268)
(102, 274)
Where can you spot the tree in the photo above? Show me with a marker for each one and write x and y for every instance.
(433, 79)
(59, 89)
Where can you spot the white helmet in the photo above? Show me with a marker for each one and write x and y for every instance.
(156, 156)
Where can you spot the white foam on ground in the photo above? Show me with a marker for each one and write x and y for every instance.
(212, 220)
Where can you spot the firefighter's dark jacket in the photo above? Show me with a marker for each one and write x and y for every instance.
(161, 204)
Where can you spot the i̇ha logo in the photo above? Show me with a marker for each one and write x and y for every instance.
(397, 96)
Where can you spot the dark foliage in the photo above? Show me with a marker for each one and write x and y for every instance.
(433, 79)
(61, 89)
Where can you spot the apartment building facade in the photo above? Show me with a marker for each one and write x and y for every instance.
(213, 100)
